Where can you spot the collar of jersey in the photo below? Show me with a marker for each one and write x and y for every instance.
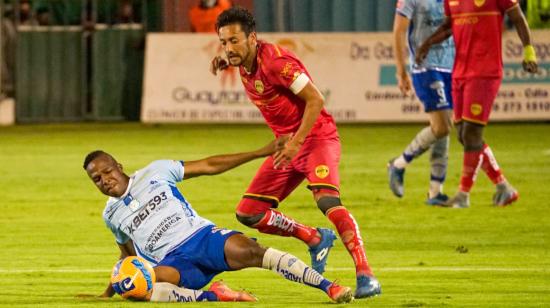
(126, 197)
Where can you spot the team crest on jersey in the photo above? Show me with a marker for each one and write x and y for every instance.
(476, 109)
(322, 171)
(479, 3)
(259, 85)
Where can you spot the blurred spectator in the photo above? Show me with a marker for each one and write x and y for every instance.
(8, 36)
(202, 16)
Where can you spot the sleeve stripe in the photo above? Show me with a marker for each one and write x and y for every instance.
(299, 83)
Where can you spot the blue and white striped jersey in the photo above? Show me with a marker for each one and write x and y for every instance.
(152, 212)
(425, 17)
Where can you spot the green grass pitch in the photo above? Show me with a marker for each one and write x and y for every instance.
(55, 245)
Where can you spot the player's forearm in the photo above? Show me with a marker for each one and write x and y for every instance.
(399, 49)
(441, 34)
(109, 291)
(221, 163)
(311, 113)
(522, 28)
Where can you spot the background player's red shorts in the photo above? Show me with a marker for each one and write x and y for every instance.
(317, 162)
(473, 98)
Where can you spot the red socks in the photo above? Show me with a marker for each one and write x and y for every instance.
(490, 166)
(349, 233)
(277, 223)
(470, 166)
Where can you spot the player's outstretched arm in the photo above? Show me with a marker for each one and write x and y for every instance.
(221, 163)
(520, 23)
(400, 27)
(442, 33)
(126, 250)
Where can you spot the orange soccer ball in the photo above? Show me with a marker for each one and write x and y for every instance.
(133, 277)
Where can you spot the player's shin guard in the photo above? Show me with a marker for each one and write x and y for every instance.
(470, 167)
(277, 223)
(351, 237)
(490, 166)
(293, 269)
(167, 292)
(438, 162)
(421, 142)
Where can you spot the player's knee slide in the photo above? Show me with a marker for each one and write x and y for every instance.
(249, 220)
(328, 202)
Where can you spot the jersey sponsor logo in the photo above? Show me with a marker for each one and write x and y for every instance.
(454, 3)
(160, 230)
(259, 85)
(476, 109)
(221, 230)
(479, 3)
(469, 20)
(148, 209)
(322, 171)
(286, 71)
(282, 222)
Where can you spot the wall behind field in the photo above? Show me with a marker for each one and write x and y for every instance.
(324, 15)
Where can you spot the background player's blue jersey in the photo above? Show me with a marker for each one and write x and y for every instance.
(425, 17)
(153, 213)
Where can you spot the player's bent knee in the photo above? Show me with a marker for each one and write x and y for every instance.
(249, 220)
(441, 131)
(325, 203)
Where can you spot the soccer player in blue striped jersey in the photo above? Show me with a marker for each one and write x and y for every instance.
(149, 217)
(415, 20)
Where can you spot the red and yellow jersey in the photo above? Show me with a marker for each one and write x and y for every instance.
(477, 32)
(273, 88)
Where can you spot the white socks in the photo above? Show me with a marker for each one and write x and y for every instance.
(167, 292)
(293, 269)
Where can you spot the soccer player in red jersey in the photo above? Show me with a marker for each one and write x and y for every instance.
(476, 26)
(280, 86)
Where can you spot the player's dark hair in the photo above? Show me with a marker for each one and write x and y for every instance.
(237, 15)
(93, 155)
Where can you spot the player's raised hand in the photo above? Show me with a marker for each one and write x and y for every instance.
(218, 64)
(282, 158)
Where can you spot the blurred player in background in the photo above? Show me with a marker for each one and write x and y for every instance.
(202, 16)
(476, 27)
(277, 82)
(149, 217)
(416, 20)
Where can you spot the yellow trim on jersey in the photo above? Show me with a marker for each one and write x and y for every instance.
(323, 184)
(333, 209)
(278, 51)
(263, 196)
(486, 13)
(474, 121)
